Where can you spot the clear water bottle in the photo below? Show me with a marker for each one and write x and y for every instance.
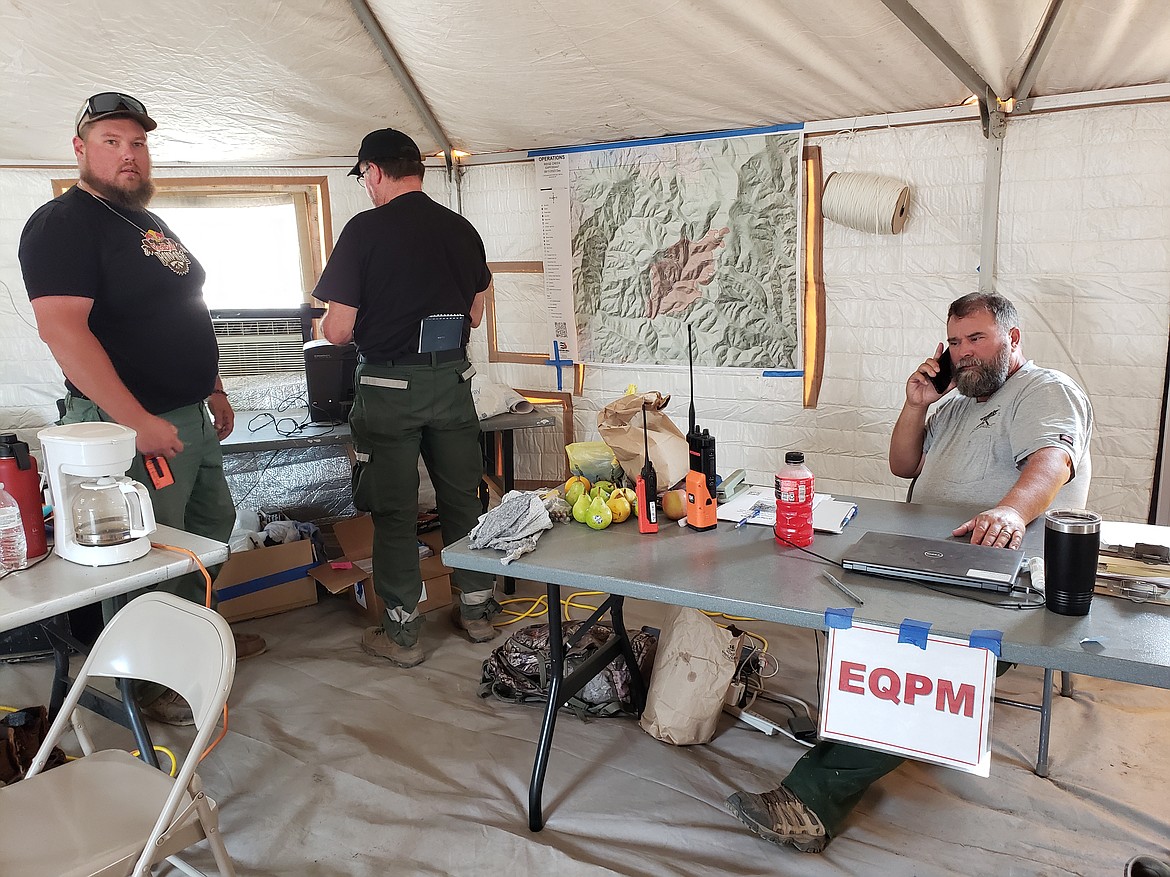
(794, 501)
(13, 548)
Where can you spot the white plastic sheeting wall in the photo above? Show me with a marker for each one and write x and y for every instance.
(1084, 252)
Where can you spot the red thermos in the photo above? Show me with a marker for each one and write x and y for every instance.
(18, 472)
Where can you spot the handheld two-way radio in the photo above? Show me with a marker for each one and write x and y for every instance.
(159, 471)
(700, 483)
(647, 487)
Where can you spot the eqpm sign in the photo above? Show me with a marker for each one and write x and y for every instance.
(931, 704)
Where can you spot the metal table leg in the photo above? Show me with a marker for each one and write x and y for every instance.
(1045, 725)
(509, 475)
(556, 677)
(562, 688)
(123, 712)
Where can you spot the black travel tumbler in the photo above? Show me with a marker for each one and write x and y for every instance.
(1072, 538)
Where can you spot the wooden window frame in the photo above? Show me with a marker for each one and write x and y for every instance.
(310, 199)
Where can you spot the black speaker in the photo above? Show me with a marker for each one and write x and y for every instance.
(329, 372)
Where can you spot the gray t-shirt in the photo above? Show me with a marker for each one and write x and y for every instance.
(974, 450)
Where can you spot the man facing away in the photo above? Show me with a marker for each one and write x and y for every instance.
(1015, 439)
(393, 267)
(119, 301)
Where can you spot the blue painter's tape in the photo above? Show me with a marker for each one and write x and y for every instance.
(841, 619)
(914, 632)
(263, 582)
(992, 640)
(783, 373)
(653, 141)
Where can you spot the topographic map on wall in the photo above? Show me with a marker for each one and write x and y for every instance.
(704, 232)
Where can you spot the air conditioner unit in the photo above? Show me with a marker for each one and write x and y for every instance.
(259, 342)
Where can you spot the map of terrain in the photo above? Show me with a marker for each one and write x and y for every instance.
(704, 232)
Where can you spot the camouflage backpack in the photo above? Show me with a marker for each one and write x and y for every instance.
(518, 670)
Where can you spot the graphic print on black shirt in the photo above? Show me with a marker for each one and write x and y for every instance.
(148, 310)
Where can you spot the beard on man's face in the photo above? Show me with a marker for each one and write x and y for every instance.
(134, 196)
(979, 379)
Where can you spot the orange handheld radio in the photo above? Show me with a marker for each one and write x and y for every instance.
(159, 471)
(700, 483)
(647, 488)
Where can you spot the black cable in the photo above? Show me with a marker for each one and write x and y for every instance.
(999, 604)
(763, 695)
(259, 477)
(298, 400)
(266, 418)
(820, 557)
(39, 560)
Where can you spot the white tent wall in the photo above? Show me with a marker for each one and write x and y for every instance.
(1083, 252)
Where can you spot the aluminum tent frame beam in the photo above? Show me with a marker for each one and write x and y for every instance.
(941, 49)
(1053, 18)
(394, 62)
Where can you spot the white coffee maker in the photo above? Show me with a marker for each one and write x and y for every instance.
(100, 517)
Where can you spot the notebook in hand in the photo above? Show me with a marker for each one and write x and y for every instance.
(940, 561)
(440, 332)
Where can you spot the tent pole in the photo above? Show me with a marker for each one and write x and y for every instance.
(394, 62)
(934, 41)
(994, 128)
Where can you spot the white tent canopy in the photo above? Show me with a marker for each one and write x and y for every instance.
(304, 79)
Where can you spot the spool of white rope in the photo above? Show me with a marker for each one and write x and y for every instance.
(866, 202)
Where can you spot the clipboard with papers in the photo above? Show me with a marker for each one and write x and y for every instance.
(440, 332)
(757, 505)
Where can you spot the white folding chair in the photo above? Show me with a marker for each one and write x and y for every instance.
(108, 813)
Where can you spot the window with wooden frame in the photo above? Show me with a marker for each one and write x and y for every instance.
(262, 240)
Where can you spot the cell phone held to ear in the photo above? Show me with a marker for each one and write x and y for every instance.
(946, 370)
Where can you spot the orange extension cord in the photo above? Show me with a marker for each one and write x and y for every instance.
(207, 603)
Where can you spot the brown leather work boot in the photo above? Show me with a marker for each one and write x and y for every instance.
(376, 642)
(479, 630)
(249, 645)
(170, 708)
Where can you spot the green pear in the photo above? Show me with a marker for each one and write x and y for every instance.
(581, 507)
(599, 515)
(574, 492)
(600, 490)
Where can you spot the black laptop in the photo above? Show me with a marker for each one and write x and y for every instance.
(938, 561)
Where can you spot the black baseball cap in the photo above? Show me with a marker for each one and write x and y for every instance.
(385, 144)
(113, 104)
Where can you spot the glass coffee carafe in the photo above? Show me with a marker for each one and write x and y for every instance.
(108, 511)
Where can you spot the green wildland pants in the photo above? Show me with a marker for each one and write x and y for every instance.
(398, 413)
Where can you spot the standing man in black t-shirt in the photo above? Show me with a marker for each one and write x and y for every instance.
(119, 301)
(408, 259)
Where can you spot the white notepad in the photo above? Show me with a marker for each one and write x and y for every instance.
(758, 505)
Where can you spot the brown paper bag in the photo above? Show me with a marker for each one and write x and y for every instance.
(694, 665)
(620, 425)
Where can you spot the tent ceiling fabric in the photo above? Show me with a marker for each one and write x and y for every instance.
(277, 81)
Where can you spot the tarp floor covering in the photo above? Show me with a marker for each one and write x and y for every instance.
(337, 763)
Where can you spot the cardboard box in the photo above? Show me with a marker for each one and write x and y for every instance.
(265, 581)
(356, 538)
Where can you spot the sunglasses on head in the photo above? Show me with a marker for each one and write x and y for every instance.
(111, 102)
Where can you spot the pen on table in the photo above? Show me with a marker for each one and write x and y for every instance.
(840, 586)
(756, 509)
